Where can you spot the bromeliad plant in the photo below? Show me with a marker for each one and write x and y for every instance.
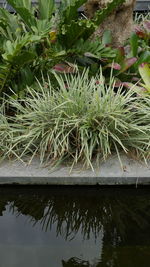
(131, 63)
(37, 38)
(143, 85)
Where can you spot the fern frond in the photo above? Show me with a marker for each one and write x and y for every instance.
(96, 48)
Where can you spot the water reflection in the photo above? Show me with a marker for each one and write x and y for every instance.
(122, 217)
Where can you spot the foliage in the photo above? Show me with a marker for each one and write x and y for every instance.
(81, 120)
(89, 114)
(70, 32)
(144, 71)
(123, 62)
(37, 38)
(133, 59)
(6, 135)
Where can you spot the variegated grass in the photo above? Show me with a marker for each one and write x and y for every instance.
(6, 133)
(82, 119)
(139, 18)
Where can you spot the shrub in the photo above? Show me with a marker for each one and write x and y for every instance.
(36, 39)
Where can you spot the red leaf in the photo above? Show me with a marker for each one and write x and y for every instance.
(128, 63)
(114, 66)
(146, 25)
(63, 68)
(118, 84)
(140, 32)
(99, 82)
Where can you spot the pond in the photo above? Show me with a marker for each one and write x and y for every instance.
(74, 227)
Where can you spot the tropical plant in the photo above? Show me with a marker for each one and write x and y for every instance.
(144, 86)
(38, 38)
(129, 61)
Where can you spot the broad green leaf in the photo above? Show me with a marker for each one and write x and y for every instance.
(144, 57)
(69, 10)
(42, 28)
(10, 26)
(9, 47)
(107, 37)
(134, 44)
(71, 33)
(23, 58)
(144, 71)
(20, 3)
(46, 9)
(120, 54)
(26, 16)
(24, 13)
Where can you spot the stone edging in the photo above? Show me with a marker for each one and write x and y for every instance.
(109, 173)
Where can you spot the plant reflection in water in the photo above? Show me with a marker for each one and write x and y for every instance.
(123, 215)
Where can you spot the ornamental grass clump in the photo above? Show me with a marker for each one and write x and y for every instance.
(83, 119)
(6, 133)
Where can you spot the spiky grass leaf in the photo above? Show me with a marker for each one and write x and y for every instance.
(80, 120)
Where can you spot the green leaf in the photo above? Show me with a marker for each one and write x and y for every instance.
(144, 57)
(120, 54)
(134, 44)
(107, 37)
(23, 3)
(71, 30)
(24, 13)
(144, 71)
(69, 10)
(10, 26)
(23, 58)
(42, 28)
(5, 71)
(46, 9)
(71, 33)
(100, 15)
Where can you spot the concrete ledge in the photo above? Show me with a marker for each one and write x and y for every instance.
(109, 173)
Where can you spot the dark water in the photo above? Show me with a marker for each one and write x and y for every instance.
(80, 227)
